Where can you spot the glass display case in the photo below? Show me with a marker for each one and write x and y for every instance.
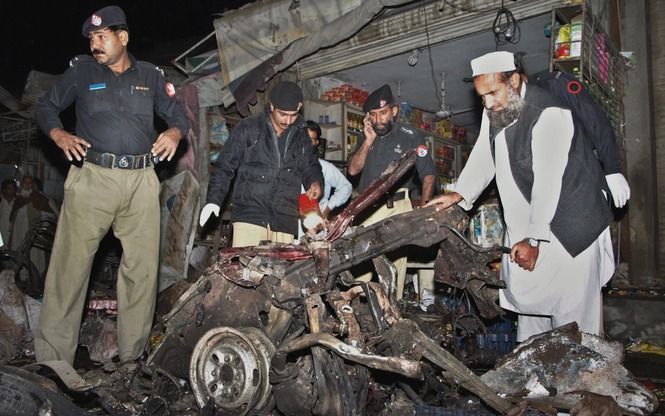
(446, 154)
(341, 126)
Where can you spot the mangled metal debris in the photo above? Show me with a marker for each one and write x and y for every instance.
(286, 329)
(562, 364)
(324, 331)
(19, 314)
(23, 393)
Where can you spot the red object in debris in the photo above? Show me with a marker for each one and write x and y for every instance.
(103, 304)
(307, 205)
(309, 211)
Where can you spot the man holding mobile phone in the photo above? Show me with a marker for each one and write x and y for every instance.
(385, 140)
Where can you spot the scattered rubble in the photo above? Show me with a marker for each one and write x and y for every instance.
(285, 329)
(564, 363)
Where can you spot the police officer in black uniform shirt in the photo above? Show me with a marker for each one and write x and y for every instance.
(384, 140)
(116, 185)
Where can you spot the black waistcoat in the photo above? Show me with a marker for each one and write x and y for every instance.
(582, 212)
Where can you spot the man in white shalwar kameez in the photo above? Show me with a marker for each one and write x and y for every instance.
(561, 251)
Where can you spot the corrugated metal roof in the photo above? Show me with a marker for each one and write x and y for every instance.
(402, 32)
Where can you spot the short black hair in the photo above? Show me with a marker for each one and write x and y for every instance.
(8, 182)
(314, 126)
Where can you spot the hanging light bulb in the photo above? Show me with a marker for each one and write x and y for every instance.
(412, 60)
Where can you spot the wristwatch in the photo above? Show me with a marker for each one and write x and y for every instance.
(532, 242)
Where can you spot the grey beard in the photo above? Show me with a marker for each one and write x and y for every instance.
(502, 119)
(387, 128)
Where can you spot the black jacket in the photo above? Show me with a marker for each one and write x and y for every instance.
(267, 183)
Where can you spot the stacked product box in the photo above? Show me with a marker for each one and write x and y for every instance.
(346, 93)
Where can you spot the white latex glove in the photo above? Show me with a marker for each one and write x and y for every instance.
(206, 211)
(618, 188)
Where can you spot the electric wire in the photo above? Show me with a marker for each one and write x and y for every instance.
(429, 53)
(505, 27)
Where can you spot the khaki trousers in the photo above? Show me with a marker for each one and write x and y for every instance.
(398, 257)
(97, 198)
(426, 280)
(246, 234)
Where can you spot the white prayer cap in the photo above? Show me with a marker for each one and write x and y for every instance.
(499, 61)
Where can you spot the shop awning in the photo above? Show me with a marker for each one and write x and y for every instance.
(259, 40)
(267, 37)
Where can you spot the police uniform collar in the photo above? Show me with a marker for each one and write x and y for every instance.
(133, 63)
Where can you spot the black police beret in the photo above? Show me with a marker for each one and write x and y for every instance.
(108, 16)
(378, 98)
(286, 95)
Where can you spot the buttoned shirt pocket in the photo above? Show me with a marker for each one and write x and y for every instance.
(96, 101)
(141, 102)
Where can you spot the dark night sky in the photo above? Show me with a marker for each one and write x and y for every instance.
(43, 35)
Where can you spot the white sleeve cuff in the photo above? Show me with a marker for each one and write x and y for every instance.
(464, 202)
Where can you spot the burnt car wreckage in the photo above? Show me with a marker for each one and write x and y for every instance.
(285, 329)
(304, 336)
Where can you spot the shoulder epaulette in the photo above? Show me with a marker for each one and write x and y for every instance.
(407, 131)
(148, 65)
(78, 59)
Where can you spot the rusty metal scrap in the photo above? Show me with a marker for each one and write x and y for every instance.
(459, 264)
(287, 328)
(223, 297)
(379, 187)
(422, 227)
(408, 368)
(414, 342)
(389, 312)
(325, 328)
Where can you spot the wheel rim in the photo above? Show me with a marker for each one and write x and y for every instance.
(230, 366)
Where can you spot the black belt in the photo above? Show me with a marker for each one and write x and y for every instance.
(113, 161)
